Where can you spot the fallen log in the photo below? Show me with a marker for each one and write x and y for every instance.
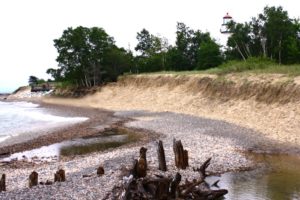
(46, 183)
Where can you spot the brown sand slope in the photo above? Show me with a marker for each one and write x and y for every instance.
(266, 103)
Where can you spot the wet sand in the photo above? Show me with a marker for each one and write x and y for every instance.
(99, 119)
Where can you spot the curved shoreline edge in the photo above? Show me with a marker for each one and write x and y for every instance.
(197, 137)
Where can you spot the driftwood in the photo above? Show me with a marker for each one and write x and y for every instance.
(87, 175)
(165, 188)
(202, 168)
(133, 171)
(181, 155)
(161, 156)
(60, 176)
(33, 179)
(174, 185)
(2, 183)
(46, 183)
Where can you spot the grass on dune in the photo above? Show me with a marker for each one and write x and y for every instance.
(251, 65)
(255, 65)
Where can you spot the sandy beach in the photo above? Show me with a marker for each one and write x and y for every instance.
(202, 137)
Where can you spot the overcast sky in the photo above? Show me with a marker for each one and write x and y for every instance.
(29, 27)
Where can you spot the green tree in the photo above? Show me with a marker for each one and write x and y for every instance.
(191, 50)
(144, 43)
(273, 34)
(278, 29)
(116, 61)
(257, 35)
(55, 73)
(182, 51)
(209, 55)
(240, 38)
(152, 52)
(196, 40)
(81, 54)
(33, 80)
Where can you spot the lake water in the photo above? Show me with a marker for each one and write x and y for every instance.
(278, 180)
(18, 118)
(110, 138)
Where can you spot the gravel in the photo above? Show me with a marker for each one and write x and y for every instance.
(203, 138)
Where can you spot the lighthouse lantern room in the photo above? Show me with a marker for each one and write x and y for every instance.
(226, 19)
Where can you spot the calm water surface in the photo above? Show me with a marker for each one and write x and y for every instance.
(73, 147)
(17, 118)
(280, 180)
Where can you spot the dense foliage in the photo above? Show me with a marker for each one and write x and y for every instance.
(33, 80)
(193, 50)
(272, 34)
(89, 56)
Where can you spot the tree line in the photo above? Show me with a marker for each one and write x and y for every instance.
(271, 35)
(89, 56)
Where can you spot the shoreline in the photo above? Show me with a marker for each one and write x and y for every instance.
(99, 120)
(202, 137)
(96, 117)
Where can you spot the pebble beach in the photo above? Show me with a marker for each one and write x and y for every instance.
(203, 138)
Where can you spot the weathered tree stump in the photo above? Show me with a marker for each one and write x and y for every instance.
(100, 171)
(141, 167)
(174, 185)
(162, 187)
(181, 155)
(161, 156)
(2, 183)
(33, 179)
(185, 158)
(133, 171)
(143, 152)
(165, 187)
(60, 176)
